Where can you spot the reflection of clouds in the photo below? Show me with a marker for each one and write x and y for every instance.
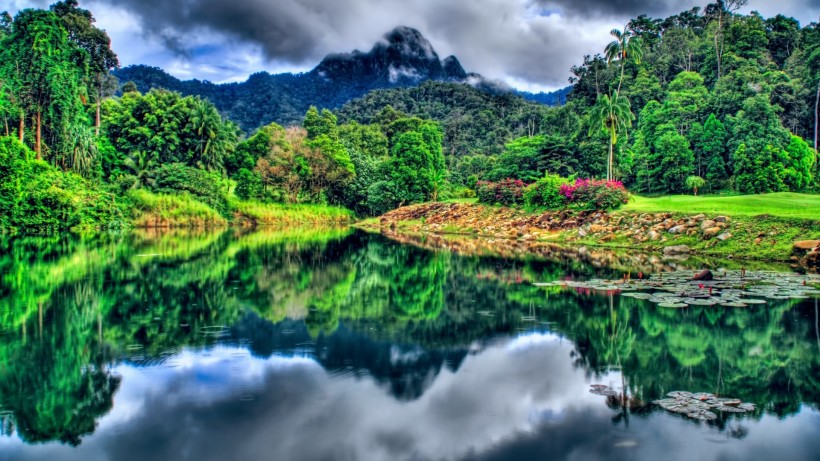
(519, 399)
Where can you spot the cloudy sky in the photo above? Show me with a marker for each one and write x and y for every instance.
(530, 44)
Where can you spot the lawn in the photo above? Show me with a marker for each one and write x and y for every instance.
(782, 204)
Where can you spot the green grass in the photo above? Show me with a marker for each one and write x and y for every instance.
(781, 204)
(461, 200)
(170, 210)
(275, 214)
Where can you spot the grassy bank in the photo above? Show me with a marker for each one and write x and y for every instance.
(273, 214)
(148, 209)
(151, 210)
(782, 204)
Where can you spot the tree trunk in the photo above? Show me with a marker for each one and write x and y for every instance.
(37, 137)
(22, 126)
(609, 161)
(97, 120)
(696, 191)
(816, 117)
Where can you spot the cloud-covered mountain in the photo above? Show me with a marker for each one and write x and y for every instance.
(403, 58)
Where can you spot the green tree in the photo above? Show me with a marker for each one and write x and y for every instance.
(613, 114)
(676, 161)
(624, 48)
(695, 183)
(38, 52)
(710, 151)
(215, 138)
(101, 59)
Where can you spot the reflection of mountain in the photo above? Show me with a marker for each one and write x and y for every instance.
(407, 370)
(71, 309)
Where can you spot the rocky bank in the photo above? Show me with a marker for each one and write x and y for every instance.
(741, 237)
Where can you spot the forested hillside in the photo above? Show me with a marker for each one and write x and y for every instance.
(709, 93)
(404, 59)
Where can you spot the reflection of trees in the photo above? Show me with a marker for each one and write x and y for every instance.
(70, 308)
(52, 382)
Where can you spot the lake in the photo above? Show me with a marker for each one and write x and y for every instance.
(341, 345)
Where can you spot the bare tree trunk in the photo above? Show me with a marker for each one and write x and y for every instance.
(22, 127)
(6, 122)
(38, 136)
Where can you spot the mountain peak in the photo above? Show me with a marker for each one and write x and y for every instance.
(410, 42)
(403, 57)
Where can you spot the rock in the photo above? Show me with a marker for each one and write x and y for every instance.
(711, 232)
(705, 275)
(582, 233)
(806, 245)
(707, 224)
(699, 217)
(595, 229)
(758, 240)
(653, 235)
(723, 219)
(677, 250)
(724, 236)
(677, 229)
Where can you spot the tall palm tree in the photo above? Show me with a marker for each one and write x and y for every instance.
(613, 114)
(625, 47)
(206, 123)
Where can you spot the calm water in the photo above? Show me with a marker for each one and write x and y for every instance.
(346, 346)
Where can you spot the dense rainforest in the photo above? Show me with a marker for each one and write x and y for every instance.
(707, 98)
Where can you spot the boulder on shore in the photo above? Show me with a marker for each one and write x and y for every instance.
(705, 275)
(806, 245)
(677, 250)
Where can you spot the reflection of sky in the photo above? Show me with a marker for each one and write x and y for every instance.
(519, 399)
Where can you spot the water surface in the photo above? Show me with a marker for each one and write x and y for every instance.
(342, 345)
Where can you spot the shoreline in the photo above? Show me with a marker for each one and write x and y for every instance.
(761, 238)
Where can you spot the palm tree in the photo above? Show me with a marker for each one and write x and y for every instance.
(206, 123)
(613, 114)
(83, 150)
(141, 164)
(623, 48)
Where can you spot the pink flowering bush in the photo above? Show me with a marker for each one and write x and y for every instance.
(506, 192)
(593, 194)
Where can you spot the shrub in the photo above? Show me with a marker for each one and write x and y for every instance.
(546, 192)
(248, 184)
(485, 191)
(506, 192)
(35, 197)
(591, 194)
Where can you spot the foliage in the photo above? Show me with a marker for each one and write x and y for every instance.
(169, 128)
(591, 194)
(207, 187)
(695, 183)
(248, 184)
(36, 197)
(546, 192)
(505, 192)
(293, 171)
